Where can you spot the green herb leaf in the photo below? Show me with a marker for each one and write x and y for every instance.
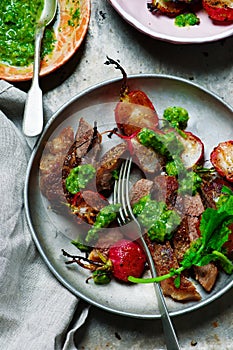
(106, 215)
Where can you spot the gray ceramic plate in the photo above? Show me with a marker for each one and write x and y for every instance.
(210, 118)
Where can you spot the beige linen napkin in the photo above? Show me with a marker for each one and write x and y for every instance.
(36, 311)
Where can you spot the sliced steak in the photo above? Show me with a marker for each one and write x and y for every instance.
(165, 259)
(211, 190)
(186, 233)
(165, 189)
(146, 158)
(189, 205)
(84, 150)
(140, 189)
(191, 208)
(110, 161)
(51, 168)
(206, 275)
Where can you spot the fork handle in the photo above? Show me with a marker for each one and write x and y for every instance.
(168, 329)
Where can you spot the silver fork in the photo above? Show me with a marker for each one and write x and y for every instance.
(121, 195)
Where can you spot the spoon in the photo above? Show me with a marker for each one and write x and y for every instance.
(33, 112)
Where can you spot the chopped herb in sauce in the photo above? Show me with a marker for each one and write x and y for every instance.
(177, 117)
(17, 31)
(106, 215)
(187, 19)
(159, 221)
(79, 177)
(75, 17)
(171, 148)
(167, 144)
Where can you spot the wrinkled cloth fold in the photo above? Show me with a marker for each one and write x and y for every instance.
(36, 311)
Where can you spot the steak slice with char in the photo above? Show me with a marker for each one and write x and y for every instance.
(140, 189)
(189, 205)
(164, 259)
(211, 190)
(206, 275)
(146, 158)
(110, 161)
(84, 150)
(165, 189)
(51, 168)
(191, 208)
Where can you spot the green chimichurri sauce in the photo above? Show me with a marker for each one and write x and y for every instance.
(106, 215)
(187, 19)
(171, 148)
(79, 177)
(177, 117)
(159, 221)
(17, 31)
(75, 17)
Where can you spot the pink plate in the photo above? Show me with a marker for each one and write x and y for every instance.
(163, 28)
(68, 40)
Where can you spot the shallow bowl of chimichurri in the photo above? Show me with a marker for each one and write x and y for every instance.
(61, 39)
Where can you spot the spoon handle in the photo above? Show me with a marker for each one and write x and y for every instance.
(33, 112)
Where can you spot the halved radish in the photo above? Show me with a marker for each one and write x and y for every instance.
(193, 153)
(219, 10)
(222, 159)
(134, 112)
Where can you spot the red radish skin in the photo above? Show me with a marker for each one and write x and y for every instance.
(128, 259)
(222, 159)
(139, 97)
(193, 153)
(219, 10)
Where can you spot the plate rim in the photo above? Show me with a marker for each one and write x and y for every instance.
(164, 37)
(36, 240)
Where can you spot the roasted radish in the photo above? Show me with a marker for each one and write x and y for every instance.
(222, 159)
(168, 8)
(135, 110)
(193, 153)
(219, 10)
(128, 258)
(124, 258)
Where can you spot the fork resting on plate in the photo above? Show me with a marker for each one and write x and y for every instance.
(121, 195)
